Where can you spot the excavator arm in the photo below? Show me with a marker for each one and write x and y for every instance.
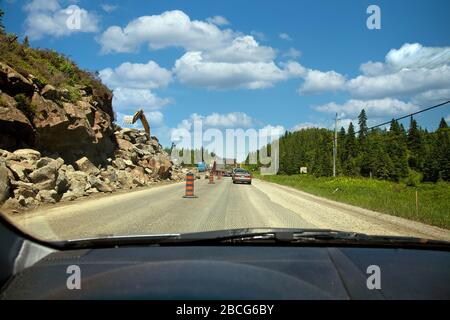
(140, 115)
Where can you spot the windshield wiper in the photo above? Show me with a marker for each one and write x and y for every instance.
(259, 236)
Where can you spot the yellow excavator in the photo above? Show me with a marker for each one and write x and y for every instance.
(139, 115)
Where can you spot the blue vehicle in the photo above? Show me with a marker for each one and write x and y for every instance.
(201, 167)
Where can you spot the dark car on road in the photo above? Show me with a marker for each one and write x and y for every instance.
(227, 173)
(240, 175)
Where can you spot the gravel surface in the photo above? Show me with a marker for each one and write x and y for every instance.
(222, 205)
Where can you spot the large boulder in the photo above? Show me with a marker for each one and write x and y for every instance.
(85, 165)
(124, 144)
(16, 129)
(62, 182)
(4, 182)
(45, 177)
(21, 169)
(27, 154)
(98, 184)
(125, 179)
(78, 181)
(13, 82)
(119, 163)
(51, 93)
(27, 191)
(72, 129)
(47, 196)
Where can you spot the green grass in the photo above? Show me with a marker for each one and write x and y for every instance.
(383, 196)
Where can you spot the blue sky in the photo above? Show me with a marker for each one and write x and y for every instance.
(283, 64)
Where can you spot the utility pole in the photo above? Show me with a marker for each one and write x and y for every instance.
(335, 145)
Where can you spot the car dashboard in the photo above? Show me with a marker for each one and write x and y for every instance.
(236, 272)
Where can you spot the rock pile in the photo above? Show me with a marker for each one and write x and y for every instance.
(59, 144)
(28, 179)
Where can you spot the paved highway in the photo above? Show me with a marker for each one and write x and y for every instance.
(222, 205)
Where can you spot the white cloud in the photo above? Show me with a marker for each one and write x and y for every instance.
(374, 108)
(194, 70)
(155, 118)
(218, 20)
(137, 76)
(108, 7)
(417, 56)
(307, 125)
(229, 120)
(132, 84)
(318, 81)
(127, 100)
(405, 82)
(292, 53)
(285, 36)
(218, 120)
(431, 97)
(409, 56)
(214, 58)
(47, 18)
(169, 29)
(258, 35)
(270, 131)
(242, 49)
(412, 70)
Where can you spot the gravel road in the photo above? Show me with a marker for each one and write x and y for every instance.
(222, 205)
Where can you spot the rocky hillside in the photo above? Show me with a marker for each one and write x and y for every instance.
(28, 179)
(58, 140)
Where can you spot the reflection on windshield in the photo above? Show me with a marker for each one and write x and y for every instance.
(172, 122)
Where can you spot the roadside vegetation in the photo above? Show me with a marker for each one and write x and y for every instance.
(389, 197)
(376, 169)
(397, 154)
(47, 66)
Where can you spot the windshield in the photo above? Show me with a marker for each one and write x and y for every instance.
(139, 119)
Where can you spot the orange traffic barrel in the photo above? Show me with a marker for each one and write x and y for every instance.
(189, 186)
(211, 177)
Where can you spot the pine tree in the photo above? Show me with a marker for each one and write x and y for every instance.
(379, 162)
(342, 154)
(415, 146)
(397, 150)
(2, 27)
(26, 42)
(350, 142)
(442, 151)
(363, 148)
(363, 130)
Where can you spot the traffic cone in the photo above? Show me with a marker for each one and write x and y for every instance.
(190, 186)
(211, 178)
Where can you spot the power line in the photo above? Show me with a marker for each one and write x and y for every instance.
(407, 116)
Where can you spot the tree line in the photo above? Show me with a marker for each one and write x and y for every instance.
(396, 154)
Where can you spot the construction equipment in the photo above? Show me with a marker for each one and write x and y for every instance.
(139, 115)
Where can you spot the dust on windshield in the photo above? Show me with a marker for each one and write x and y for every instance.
(138, 119)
